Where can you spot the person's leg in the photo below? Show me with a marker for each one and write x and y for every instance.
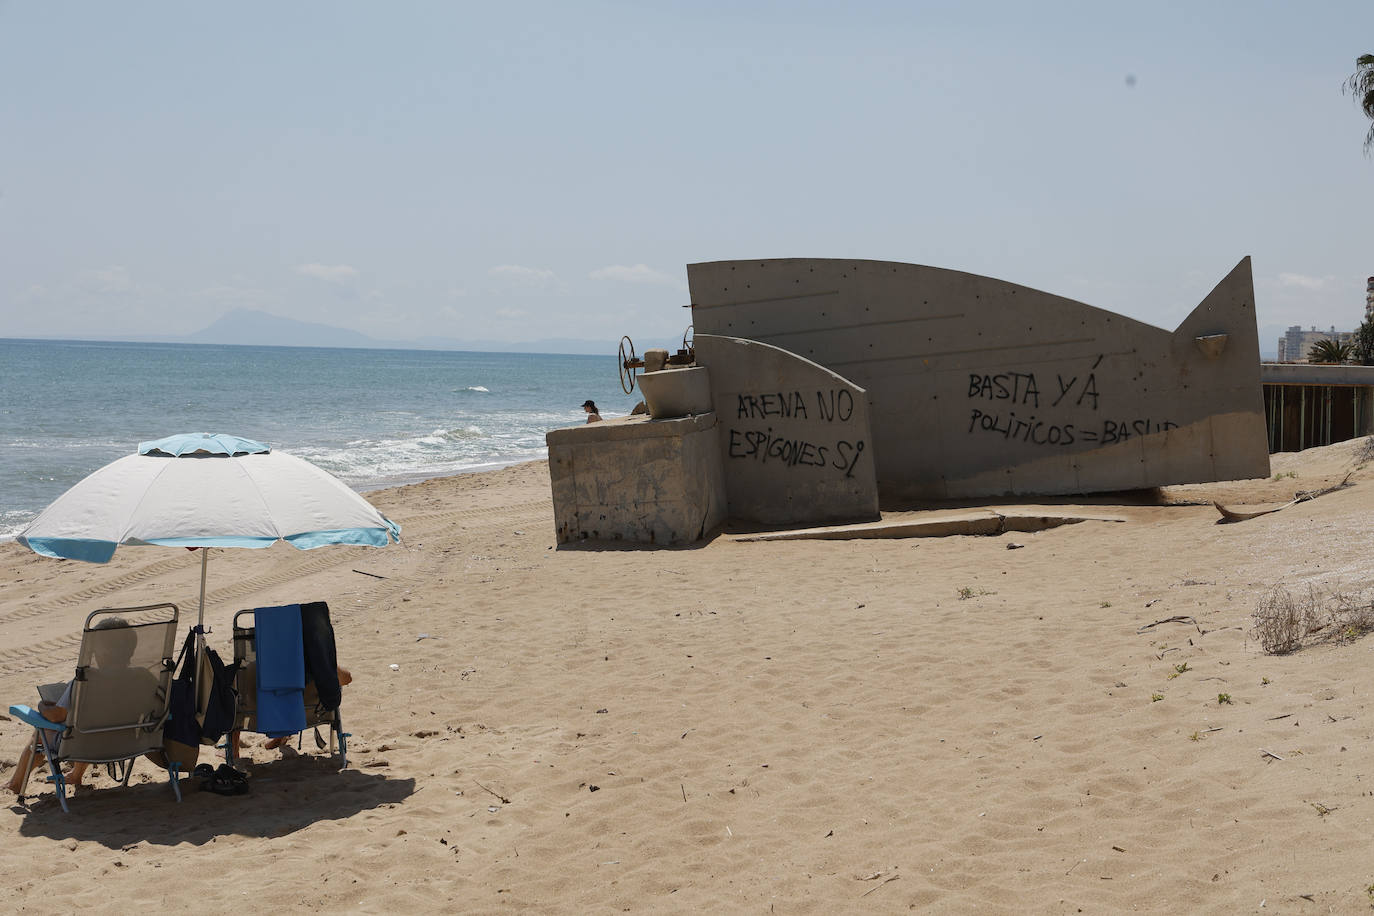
(76, 774)
(276, 743)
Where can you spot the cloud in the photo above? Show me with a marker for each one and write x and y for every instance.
(33, 293)
(228, 294)
(107, 281)
(1302, 281)
(639, 273)
(329, 273)
(526, 276)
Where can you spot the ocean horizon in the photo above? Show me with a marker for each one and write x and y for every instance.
(374, 418)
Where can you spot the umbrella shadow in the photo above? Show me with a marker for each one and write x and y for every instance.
(284, 796)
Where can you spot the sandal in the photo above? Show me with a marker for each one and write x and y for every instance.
(204, 773)
(229, 781)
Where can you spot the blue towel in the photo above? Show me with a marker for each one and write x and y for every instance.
(281, 670)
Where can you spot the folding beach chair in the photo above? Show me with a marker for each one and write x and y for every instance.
(117, 701)
(314, 704)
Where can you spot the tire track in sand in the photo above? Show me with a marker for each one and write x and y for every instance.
(451, 526)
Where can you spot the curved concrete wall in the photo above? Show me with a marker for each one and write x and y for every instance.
(980, 387)
(795, 437)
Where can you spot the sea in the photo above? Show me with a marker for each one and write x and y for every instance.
(372, 418)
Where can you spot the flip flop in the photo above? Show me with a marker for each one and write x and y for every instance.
(229, 781)
(205, 774)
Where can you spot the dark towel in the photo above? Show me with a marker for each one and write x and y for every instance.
(281, 670)
(321, 660)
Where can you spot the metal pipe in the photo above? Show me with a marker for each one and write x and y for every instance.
(1302, 419)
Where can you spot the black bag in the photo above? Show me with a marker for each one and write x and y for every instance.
(223, 698)
(181, 733)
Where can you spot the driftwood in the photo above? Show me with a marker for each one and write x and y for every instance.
(1181, 618)
(1239, 515)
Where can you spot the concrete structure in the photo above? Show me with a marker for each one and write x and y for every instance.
(979, 387)
(676, 392)
(1295, 342)
(794, 436)
(1308, 405)
(821, 387)
(637, 479)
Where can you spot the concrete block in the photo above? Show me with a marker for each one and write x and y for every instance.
(676, 392)
(637, 479)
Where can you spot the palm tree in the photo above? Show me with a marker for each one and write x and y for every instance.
(1361, 88)
(1329, 351)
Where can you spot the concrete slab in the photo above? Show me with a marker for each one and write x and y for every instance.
(983, 521)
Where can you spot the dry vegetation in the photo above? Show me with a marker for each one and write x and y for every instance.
(1285, 622)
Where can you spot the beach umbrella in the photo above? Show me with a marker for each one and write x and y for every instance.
(202, 490)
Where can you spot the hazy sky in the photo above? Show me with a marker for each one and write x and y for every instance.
(510, 170)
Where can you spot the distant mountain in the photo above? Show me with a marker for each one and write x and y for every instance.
(254, 328)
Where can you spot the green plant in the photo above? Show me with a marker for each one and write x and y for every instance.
(1223, 698)
(1179, 669)
(1265, 682)
(1282, 474)
(1106, 604)
(1360, 85)
(1156, 697)
(965, 593)
(1330, 351)
(1195, 736)
(1364, 343)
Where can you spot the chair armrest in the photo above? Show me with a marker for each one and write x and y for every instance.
(35, 718)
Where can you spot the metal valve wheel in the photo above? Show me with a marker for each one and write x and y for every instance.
(629, 366)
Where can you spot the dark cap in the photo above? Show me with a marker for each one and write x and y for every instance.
(591, 404)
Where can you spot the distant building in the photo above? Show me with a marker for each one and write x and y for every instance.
(1295, 343)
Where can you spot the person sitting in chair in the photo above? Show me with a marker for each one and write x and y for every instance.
(345, 678)
(112, 672)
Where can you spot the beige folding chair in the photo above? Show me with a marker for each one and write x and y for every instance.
(118, 699)
(246, 712)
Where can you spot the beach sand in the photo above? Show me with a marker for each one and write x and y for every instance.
(769, 727)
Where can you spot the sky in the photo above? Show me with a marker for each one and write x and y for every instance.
(525, 170)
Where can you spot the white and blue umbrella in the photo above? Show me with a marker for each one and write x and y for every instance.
(204, 490)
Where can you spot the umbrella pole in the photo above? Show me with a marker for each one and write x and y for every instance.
(204, 561)
(200, 625)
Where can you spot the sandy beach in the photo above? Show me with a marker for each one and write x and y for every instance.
(951, 724)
